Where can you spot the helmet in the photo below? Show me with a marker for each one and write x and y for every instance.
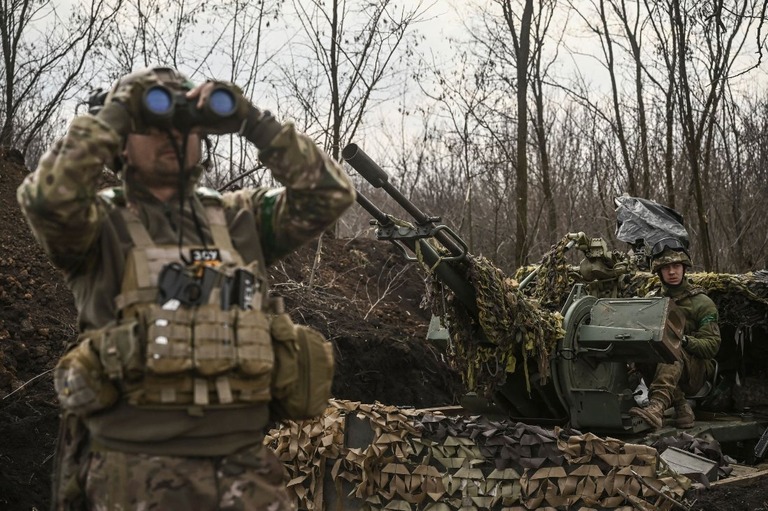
(668, 256)
(152, 76)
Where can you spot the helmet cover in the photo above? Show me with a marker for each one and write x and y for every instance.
(670, 256)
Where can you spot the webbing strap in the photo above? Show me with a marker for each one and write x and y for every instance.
(693, 291)
(127, 298)
(200, 392)
(217, 223)
(136, 229)
(224, 390)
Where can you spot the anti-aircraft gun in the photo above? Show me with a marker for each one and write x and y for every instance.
(581, 378)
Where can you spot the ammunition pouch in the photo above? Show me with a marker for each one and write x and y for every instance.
(204, 357)
(303, 373)
(201, 356)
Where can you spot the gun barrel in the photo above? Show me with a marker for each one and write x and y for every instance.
(375, 175)
(382, 218)
(446, 272)
(363, 163)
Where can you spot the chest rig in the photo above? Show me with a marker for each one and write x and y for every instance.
(190, 335)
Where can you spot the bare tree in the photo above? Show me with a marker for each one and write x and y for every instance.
(721, 29)
(506, 41)
(462, 92)
(539, 74)
(44, 66)
(522, 54)
(664, 34)
(350, 48)
(159, 32)
(602, 27)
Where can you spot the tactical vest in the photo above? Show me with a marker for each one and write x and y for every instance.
(205, 336)
(200, 350)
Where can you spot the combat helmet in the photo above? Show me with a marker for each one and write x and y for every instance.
(169, 77)
(668, 251)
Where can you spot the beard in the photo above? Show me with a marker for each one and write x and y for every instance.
(160, 168)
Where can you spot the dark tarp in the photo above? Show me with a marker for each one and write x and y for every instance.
(643, 223)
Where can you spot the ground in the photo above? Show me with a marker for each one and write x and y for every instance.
(360, 293)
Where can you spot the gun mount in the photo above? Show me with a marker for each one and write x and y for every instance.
(413, 236)
(582, 350)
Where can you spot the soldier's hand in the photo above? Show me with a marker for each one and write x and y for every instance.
(223, 105)
(124, 105)
(259, 127)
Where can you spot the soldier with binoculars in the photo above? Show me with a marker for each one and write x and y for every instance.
(183, 356)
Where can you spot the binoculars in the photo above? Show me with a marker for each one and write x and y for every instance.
(165, 108)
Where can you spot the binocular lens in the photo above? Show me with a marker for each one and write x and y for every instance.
(158, 100)
(222, 102)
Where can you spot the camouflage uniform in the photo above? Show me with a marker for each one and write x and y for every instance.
(154, 458)
(250, 479)
(672, 382)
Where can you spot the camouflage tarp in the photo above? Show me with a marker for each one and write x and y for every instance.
(414, 459)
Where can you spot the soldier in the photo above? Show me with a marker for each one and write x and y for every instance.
(166, 397)
(701, 342)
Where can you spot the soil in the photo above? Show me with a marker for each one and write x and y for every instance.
(360, 293)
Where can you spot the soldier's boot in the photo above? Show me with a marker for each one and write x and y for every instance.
(652, 414)
(685, 416)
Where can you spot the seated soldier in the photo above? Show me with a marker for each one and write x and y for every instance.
(672, 382)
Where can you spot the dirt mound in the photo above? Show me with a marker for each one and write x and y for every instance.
(361, 294)
(37, 319)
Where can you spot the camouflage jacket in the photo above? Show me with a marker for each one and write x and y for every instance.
(701, 326)
(85, 235)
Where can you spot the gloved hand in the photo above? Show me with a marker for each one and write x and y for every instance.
(260, 128)
(256, 126)
(215, 124)
(123, 105)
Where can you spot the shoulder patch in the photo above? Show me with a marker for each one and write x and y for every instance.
(709, 318)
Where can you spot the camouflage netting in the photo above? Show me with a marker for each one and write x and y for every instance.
(512, 325)
(528, 323)
(413, 459)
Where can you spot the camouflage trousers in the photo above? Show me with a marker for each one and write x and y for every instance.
(672, 382)
(253, 479)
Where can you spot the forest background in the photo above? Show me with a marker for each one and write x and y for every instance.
(516, 121)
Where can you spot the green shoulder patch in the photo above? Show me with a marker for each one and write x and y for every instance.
(268, 202)
(709, 318)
